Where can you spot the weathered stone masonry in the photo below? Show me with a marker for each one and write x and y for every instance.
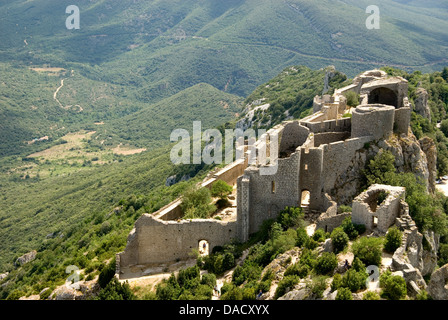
(313, 153)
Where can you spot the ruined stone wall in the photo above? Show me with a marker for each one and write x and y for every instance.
(402, 120)
(157, 241)
(293, 136)
(373, 120)
(365, 207)
(311, 162)
(269, 194)
(330, 137)
(337, 158)
(340, 125)
(330, 219)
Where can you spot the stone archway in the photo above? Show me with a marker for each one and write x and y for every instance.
(204, 248)
(383, 95)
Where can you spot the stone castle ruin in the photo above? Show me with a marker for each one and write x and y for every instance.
(314, 153)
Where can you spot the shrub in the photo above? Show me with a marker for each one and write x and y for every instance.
(352, 98)
(368, 250)
(339, 239)
(423, 295)
(311, 244)
(107, 274)
(300, 270)
(196, 203)
(344, 208)
(317, 286)
(344, 294)
(116, 291)
(371, 295)
(302, 237)
(393, 239)
(326, 263)
(232, 293)
(221, 189)
(354, 280)
(394, 288)
(337, 282)
(319, 235)
(443, 255)
(291, 217)
(209, 279)
(286, 284)
(349, 228)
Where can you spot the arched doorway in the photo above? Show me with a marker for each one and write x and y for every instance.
(383, 96)
(305, 199)
(204, 248)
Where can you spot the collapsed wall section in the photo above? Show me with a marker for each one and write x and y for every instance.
(155, 241)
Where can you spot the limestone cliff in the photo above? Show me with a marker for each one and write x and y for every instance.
(411, 155)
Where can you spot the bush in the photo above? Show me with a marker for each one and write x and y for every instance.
(302, 237)
(443, 255)
(317, 286)
(326, 263)
(286, 284)
(291, 217)
(394, 288)
(393, 239)
(354, 280)
(349, 228)
(232, 293)
(221, 189)
(368, 250)
(196, 203)
(337, 282)
(339, 239)
(209, 279)
(344, 294)
(319, 235)
(352, 98)
(300, 270)
(116, 291)
(107, 274)
(371, 295)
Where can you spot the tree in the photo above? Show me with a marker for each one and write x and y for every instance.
(221, 190)
(344, 294)
(326, 263)
(291, 217)
(393, 239)
(116, 291)
(196, 203)
(368, 250)
(349, 228)
(445, 74)
(444, 127)
(339, 239)
(378, 169)
(352, 98)
(394, 288)
(107, 274)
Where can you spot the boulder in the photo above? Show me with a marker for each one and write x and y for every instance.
(437, 287)
(421, 103)
(28, 257)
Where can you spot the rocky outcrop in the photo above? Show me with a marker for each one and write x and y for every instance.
(83, 291)
(421, 103)
(437, 287)
(429, 148)
(28, 257)
(409, 157)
